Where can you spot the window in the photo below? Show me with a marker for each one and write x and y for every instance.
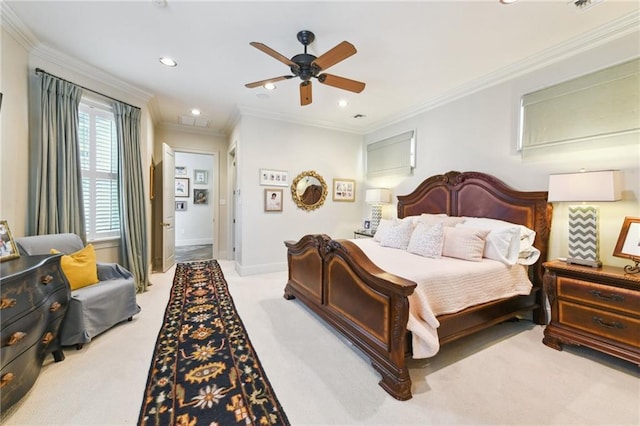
(99, 165)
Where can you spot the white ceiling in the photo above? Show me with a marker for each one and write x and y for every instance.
(410, 54)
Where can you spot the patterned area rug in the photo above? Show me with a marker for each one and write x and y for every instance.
(204, 369)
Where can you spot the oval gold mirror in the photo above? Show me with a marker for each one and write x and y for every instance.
(309, 190)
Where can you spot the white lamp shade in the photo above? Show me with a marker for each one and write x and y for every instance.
(378, 196)
(586, 186)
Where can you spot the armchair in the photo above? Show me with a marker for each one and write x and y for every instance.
(97, 307)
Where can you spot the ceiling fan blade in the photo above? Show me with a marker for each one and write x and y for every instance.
(269, 51)
(269, 80)
(339, 53)
(341, 82)
(305, 93)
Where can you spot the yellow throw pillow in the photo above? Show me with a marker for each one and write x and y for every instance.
(80, 267)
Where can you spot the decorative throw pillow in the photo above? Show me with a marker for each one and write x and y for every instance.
(398, 235)
(80, 267)
(502, 243)
(464, 243)
(427, 240)
(384, 228)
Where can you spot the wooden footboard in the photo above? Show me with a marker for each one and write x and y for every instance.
(366, 304)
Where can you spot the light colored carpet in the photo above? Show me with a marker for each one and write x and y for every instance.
(504, 375)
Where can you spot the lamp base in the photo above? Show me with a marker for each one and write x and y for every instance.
(376, 215)
(584, 248)
(585, 262)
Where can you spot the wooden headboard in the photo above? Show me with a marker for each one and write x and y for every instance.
(481, 195)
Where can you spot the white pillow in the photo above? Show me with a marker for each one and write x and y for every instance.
(464, 243)
(427, 240)
(383, 227)
(502, 243)
(432, 219)
(398, 235)
(526, 239)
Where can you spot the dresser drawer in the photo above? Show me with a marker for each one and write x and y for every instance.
(25, 331)
(30, 290)
(620, 299)
(599, 322)
(17, 377)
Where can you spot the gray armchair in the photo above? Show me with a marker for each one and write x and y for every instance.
(95, 308)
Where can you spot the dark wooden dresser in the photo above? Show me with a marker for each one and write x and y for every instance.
(594, 307)
(34, 297)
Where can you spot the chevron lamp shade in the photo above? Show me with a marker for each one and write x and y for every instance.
(583, 219)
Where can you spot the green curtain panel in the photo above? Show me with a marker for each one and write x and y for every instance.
(57, 193)
(133, 244)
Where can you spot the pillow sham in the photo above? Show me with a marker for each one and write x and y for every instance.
(397, 235)
(503, 241)
(431, 219)
(427, 241)
(464, 243)
(383, 228)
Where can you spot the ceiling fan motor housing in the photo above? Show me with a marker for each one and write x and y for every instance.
(304, 69)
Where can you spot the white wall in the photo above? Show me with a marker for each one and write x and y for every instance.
(14, 133)
(479, 133)
(269, 144)
(195, 225)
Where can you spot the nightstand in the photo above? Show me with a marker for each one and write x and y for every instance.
(362, 233)
(595, 307)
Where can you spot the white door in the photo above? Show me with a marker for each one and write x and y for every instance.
(168, 207)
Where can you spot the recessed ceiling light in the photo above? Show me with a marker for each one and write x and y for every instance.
(270, 86)
(342, 103)
(165, 60)
(195, 111)
(508, 1)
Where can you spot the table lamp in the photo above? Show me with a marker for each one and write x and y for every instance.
(377, 197)
(583, 219)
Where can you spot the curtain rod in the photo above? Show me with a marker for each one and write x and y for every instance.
(41, 71)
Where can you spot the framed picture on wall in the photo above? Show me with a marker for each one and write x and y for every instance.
(272, 200)
(181, 170)
(200, 196)
(8, 248)
(182, 187)
(344, 190)
(274, 177)
(200, 177)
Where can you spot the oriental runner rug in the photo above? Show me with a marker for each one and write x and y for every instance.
(204, 369)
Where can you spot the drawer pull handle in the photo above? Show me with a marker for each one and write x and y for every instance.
(7, 303)
(6, 379)
(612, 297)
(16, 337)
(55, 306)
(46, 279)
(603, 323)
(47, 338)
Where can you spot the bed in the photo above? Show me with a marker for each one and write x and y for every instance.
(370, 306)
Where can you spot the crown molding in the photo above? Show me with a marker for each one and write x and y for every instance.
(14, 26)
(606, 33)
(269, 115)
(207, 131)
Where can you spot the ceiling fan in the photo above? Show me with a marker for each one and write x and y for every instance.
(307, 66)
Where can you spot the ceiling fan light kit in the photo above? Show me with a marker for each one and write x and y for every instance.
(307, 66)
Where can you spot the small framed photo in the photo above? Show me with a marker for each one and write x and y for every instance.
(344, 190)
(274, 177)
(181, 206)
(366, 225)
(272, 200)
(200, 196)
(628, 244)
(200, 177)
(181, 170)
(8, 248)
(182, 187)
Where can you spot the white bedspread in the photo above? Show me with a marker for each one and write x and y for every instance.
(445, 285)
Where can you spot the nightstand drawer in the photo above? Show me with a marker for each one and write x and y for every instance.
(620, 299)
(602, 323)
